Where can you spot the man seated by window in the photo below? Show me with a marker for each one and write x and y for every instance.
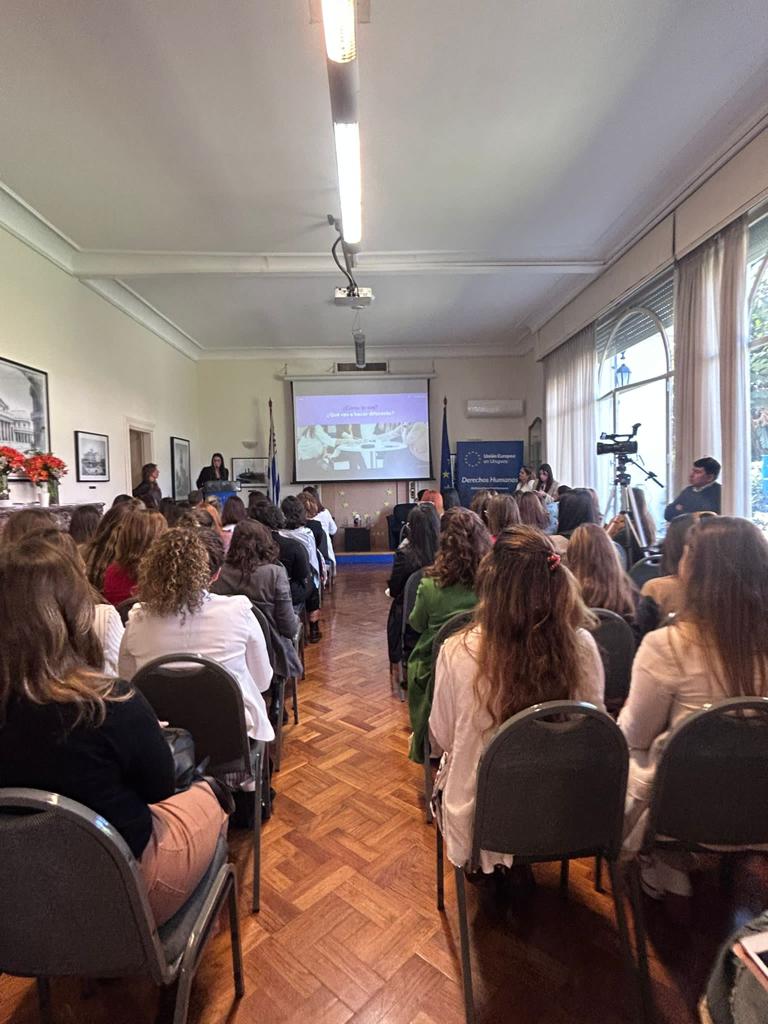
(704, 493)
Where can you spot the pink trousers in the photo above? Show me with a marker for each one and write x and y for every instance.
(185, 830)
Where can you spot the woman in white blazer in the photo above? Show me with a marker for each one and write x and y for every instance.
(177, 613)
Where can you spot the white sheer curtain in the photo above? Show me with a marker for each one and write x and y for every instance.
(569, 387)
(711, 385)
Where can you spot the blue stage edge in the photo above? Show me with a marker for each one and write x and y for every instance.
(363, 558)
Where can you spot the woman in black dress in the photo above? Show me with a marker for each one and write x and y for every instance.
(216, 471)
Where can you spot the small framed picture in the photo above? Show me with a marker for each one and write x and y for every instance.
(181, 475)
(92, 457)
(250, 471)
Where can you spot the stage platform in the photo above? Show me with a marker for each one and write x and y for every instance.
(363, 558)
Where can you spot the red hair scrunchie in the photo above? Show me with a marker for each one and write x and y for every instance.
(553, 560)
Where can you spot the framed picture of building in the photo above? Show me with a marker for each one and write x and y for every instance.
(24, 418)
(92, 457)
(181, 477)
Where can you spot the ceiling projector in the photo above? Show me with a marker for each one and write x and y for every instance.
(356, 298)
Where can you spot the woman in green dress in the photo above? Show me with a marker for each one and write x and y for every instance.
(448, 587)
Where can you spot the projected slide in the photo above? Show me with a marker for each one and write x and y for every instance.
(376, 436)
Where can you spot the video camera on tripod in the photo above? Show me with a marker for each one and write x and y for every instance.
(622, 446)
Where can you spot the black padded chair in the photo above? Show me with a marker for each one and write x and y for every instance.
(646, 569)
(277, 691)
(409, 600)
(202, 697)
(396, 521)
(72, 902)
(710, 789)
(617, 645)
(551, 785)
(453, 625)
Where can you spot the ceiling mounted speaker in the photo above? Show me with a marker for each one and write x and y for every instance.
(479, 408)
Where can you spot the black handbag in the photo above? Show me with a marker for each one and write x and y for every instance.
(183, 750)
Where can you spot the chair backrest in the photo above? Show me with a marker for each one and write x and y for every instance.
(711, 784)
(265, 629)
(197, 694)
(71, 899)
(551, 783)
(646, 569)
(617, 645)
(453, 625)
(409, 599)
(401, 512)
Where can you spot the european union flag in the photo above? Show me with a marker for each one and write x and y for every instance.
(446, 475)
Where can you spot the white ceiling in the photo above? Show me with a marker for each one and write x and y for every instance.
(501, 134)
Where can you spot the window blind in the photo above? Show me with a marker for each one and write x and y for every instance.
(658, 297)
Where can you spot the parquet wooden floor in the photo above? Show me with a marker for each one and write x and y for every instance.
(348, 930)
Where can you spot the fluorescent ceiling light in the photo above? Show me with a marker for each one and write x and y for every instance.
(339, 28)
(350, 181)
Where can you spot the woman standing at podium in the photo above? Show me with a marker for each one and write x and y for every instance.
(216, 471)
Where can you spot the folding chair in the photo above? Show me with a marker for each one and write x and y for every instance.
(617, 645)
(409, 600)
(648, 568)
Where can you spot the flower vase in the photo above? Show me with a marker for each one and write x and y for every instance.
(44, 496)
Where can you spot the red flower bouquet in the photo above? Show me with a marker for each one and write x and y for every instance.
(10, 461)
(45, 468)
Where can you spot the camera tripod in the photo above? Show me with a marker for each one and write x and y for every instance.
(622, 496)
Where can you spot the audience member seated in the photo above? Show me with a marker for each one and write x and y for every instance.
(232, 513)
(526, 479)
(503, 511)
(177, 613)
(196, 499)
(257, 498)
(447, 587)
(122, 499)
(134, 535)
(435, 498)
(619, 531)
(149, 490)
(295, 528)
(717, 648)
(594, 561)
(313, 523)
(529, 643)
(703, 495)
(25, 521)
(545, 482)
(293, 555)
(479, 504)
(576, 508)
(450, 498)
(83, 524)
(532, 511)
(661, 597)
(171, 511)
(100, 550)
(251, 568)
(563, 489)
(416, 552)
(69, 729)
(325, 519)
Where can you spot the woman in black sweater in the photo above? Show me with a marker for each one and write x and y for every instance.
(216, 471)
(66, 727)
(417, 551)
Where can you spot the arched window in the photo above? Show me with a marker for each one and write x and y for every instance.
(757, 281)
(634, 385)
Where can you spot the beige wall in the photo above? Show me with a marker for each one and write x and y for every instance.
(102, 367)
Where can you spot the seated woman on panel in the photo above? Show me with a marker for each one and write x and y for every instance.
(68, 728)
(134, 535)
(416, 552)
(447, 587)
(545, 482)
(178, 613)
(251, 568)
(717, 648)
(529, 643)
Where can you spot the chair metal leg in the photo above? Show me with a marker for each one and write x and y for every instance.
(278, 706)
(234, 932)
(633, 977)
(428, 778)
(439, 868)
(295, 684)
(636, 898)
(599, 873)
(183, 991)
(466, 963)
(564, 866)
(259, 776)
(44, 1000)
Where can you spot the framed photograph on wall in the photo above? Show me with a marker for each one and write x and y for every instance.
(181, 476)
(24, 418)
(250, 471)
(92, 457)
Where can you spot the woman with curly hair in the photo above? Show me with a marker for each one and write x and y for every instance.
(528, 644)
(252, 569)
(177, 613)
(133, 537)
(448, 587)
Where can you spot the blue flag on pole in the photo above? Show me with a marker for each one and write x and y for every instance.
(446, 474)
(274, 473)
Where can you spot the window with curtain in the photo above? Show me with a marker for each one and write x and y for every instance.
(634, 346)
(757, 291)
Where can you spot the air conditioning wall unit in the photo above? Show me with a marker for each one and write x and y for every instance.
(481, 408)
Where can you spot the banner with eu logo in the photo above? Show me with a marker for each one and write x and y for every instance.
(487, 465)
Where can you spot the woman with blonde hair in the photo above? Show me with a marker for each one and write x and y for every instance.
(68, 728)
(594, 561)
(448, 587)
(503, 511)
(99, 552)
(133, 537)
(529, 643)
(717, 648)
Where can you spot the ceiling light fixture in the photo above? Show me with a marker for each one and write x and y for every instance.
(343, 83)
